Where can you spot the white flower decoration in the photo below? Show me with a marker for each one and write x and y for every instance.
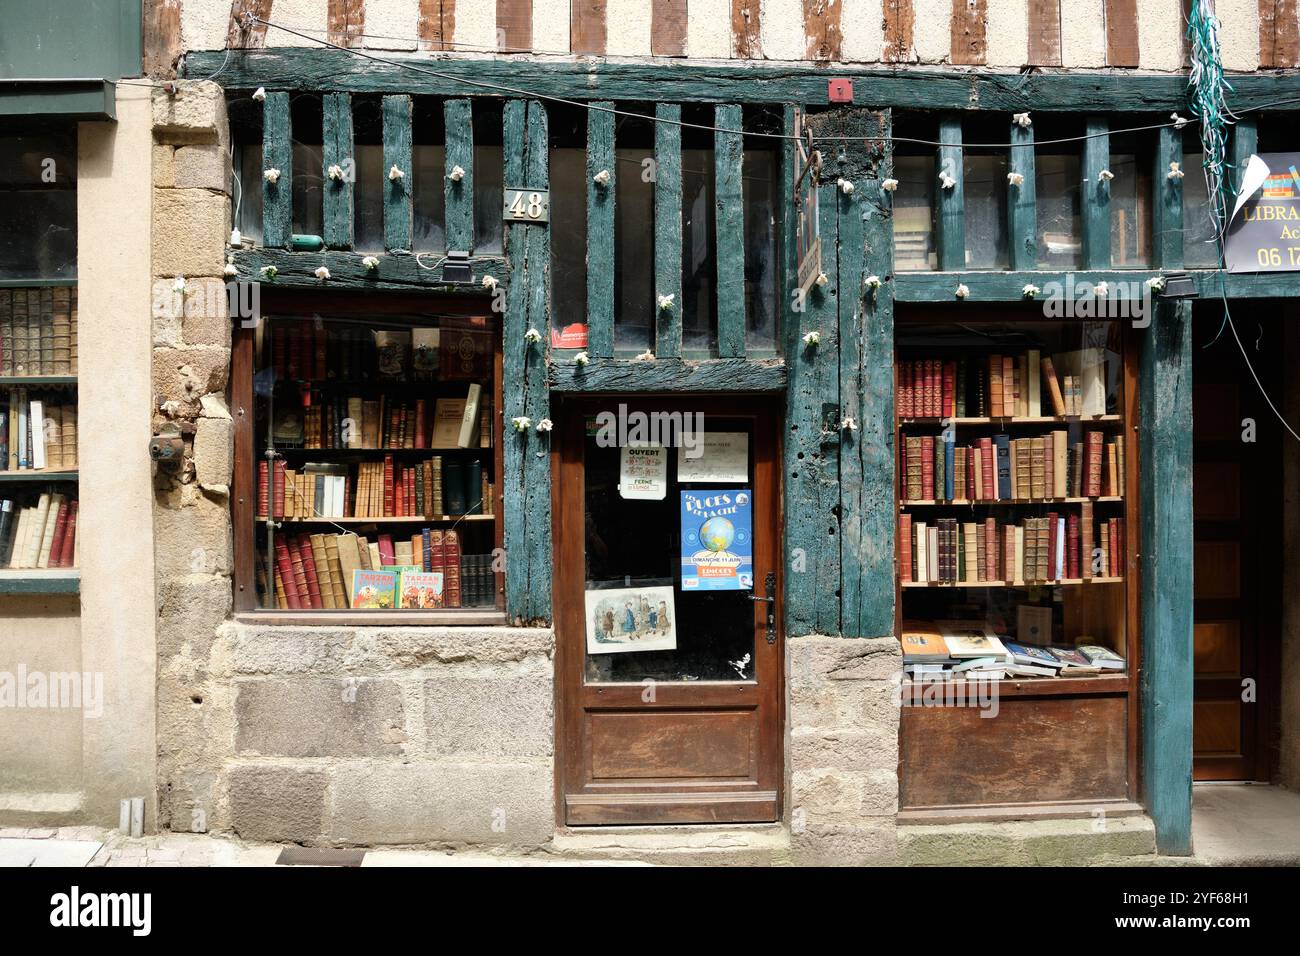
(371, 263)
(846, 187)
(601, 178)
(178, 284)
(394, 174)
(873, 282)
(1105, 176)
(1022, 120)
(1179, 121)
(457, 173)
(490, 283)
(1156, 282)
(269, 272)
(545, 425)
(522, 423)
(822, 279)
(962, 290)
(1175, 171)
(532, 336)
(1030, 290)
(812, 338)
(321, 273)
(581, 359)
(946, 181)
(1016, 179)
(666, 301)
(889, 185)
(272, 175)
(646, 356)
(849, 424)
(230, 269)
(1101, 289)
(259, 94)
(335, 172)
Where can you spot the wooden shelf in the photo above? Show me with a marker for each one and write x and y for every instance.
(1017, 420)
(441, 519)
(940, 503)
(19, 380)
(44, 474)
(1010, 584)
(40, 580)
(322, 452)
(1115, 683)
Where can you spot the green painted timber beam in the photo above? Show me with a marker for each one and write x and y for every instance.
(729, 224)
(458, 121)
(398, 185)
(277, 153)
(1167, 205)
(950, 220)
(1022, 210)
(394, 273)
(668, 231)
(1094, 201)
(337, 151)
(602, 187)
(669, 375)
(1009, 286)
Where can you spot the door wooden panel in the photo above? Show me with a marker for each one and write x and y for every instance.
(1218, 569)
(676, 748)
(1217, 648)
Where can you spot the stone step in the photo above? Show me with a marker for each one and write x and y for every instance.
(1078, 842)
(764, 844)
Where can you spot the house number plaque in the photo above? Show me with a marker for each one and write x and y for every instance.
(527, 205)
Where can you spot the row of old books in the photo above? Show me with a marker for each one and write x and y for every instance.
(38, 331)
(1054, 547)
(434, 488)
(308, 350)
(35, 433)
(320, 571)
(1004, 386)
(1002, 468)
(355, 422)
(970, 650)
(40, 535)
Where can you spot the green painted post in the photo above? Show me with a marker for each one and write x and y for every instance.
(1095, 197)
(1167, 210)
(601, 197)
(729, 223)
(458, 121)
(526, 454)
(1244, 143)
(950, 223)
(397, 185)
(277, 153)
(337, 152)
(668, 230)
(1022, 210)
(1166, 580)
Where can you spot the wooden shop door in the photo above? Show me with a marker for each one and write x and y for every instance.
(669, 686)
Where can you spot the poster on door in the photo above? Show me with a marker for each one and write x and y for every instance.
(718, 540)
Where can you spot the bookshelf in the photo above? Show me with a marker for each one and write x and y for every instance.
(376, 456)
(1016, 468)
(38, 439)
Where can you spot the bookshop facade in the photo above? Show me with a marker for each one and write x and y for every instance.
(598, 458)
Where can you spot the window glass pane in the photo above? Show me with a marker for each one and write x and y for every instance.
(986, 211)
(1130, 210)
(38, 206)
(569, 244)
(761, 302)
(699, 251)
(368, 198)
(634, 215)
(382, 431)
(489, 181)
(247, 186)
(308, 173)
(1058, 195)
(1200, 248)
(430, 231)
(914, 214)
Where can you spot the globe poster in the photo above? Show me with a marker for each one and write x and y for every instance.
(718, 540)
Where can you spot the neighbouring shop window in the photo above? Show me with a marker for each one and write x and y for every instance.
(1200, 243)
(38, 205)
(914, 249)
(1130, 204)
(377, 462)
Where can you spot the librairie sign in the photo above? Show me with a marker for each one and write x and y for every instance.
(1264, 232)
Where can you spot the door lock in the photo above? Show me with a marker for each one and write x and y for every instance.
(769, 584)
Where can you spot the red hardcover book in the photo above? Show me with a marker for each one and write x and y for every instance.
(991, 550)
(60, 528)
(386, 553)
(905, 547)
(1072, 547)
(308, 561)
(420, 423)
(68, 552)
(927, 467)
(409, 474)
(1114, 547)
(278, 478)
(988, 470)
(949, 389)
(1093, 484)
(451, 567)
(1118, 537)
(436, 555)
(388, 487)
(971, 491)
(284, 572)
(935, 388)
(1085, 540)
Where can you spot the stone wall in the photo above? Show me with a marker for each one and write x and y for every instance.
(843, 749)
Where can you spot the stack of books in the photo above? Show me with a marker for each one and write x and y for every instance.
(37, 434)
(40, 535)
(951, 650)
(38, 331)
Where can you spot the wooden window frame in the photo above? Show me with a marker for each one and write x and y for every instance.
(244, 490)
